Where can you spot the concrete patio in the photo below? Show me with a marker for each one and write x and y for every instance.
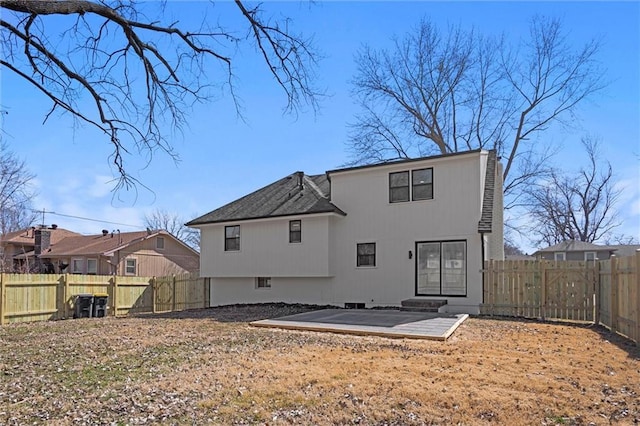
(372, 322)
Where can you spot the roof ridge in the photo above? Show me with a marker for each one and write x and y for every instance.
(313, 186)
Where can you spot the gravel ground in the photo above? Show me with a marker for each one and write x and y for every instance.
(210, 367)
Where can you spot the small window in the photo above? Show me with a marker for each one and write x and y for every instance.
(263, 282)
(295, 231)
(559, 256)
(160, 243)
(130, 266)
(232, 238)
(590, 255)
(422, 184)
(366, 254)
(398, 187)
(92, 266)
(77, 266)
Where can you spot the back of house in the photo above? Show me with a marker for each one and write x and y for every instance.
(366, 236)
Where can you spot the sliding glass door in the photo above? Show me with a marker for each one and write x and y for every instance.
(441, 268)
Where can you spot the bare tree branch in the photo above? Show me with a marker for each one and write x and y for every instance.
(140, 75)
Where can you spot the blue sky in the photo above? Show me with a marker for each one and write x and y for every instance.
(223, 157)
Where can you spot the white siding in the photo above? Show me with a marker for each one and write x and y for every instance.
(265, 250)
(322, 270)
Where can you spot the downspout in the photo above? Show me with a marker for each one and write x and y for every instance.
(482, 262)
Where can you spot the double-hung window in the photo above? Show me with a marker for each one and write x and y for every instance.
(130, 266)
(232, 238)
(560, 255)
(398, 187)
(422, 184)
(366, 254)
(77, 266)
(92, 266)
(160, 243)
(414, 186)
(295, 231)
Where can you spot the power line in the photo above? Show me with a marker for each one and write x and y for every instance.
(86, 218)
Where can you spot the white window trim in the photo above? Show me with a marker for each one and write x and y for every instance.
(562, 253)
(94, 272)
(73, 264)
(126, 272)
(158, 239)
(595, 255)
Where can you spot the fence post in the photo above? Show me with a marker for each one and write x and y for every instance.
(543, 289)
(153, 294)
(65, 277)
(637, 274)
(173, 298)
(614, 294)
(115, 295)
(2, 298)
(596, 296)
(489, 286)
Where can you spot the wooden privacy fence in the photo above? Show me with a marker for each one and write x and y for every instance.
(604, 292)
(40, 297)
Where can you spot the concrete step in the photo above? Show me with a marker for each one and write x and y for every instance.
(422, 305)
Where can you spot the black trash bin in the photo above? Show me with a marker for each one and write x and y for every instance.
(83, 306)
(100, 305)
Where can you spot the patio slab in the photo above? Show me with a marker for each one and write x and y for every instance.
(372, 322)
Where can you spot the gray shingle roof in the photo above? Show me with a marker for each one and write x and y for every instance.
(574, 245)
(295, 194)
(486, 218)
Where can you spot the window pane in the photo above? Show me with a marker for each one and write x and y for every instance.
(422, 181)
(398, 187)
(366, 254)
(295, 231)
(454, 268)
(428, 264)
(92, 266)
(160, 242)
(232, 238)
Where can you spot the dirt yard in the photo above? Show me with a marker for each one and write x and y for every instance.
(210, 366)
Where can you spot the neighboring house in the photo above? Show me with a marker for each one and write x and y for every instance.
(144, 253)
(20, 250)
(362, 236)
(581, 250)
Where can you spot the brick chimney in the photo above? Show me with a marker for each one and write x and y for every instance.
(42, 243)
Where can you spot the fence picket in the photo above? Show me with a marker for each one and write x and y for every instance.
(606, 292)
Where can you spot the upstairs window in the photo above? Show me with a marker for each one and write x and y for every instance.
(160, 243)
(295, 231)
(232, 238)
(422, 184)
(366, 254)
(398, 187)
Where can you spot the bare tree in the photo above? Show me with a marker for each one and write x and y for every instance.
(16, 192)
(140, 74)
(575, 207)
(455, 90)
(174, 224)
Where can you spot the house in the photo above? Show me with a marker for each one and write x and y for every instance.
(362, 236)
(581, 250)
(19, 250)
(142, 253)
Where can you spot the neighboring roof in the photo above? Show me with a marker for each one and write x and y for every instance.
(625, 249)
(408, 160)
(83, 245)
(486, 218)
(573, 245)
(27, 236)
(518, 257)
(295, 194)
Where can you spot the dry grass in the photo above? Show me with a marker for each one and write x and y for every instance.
(211, 367)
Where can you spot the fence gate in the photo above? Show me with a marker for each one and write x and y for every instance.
(180, 292)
